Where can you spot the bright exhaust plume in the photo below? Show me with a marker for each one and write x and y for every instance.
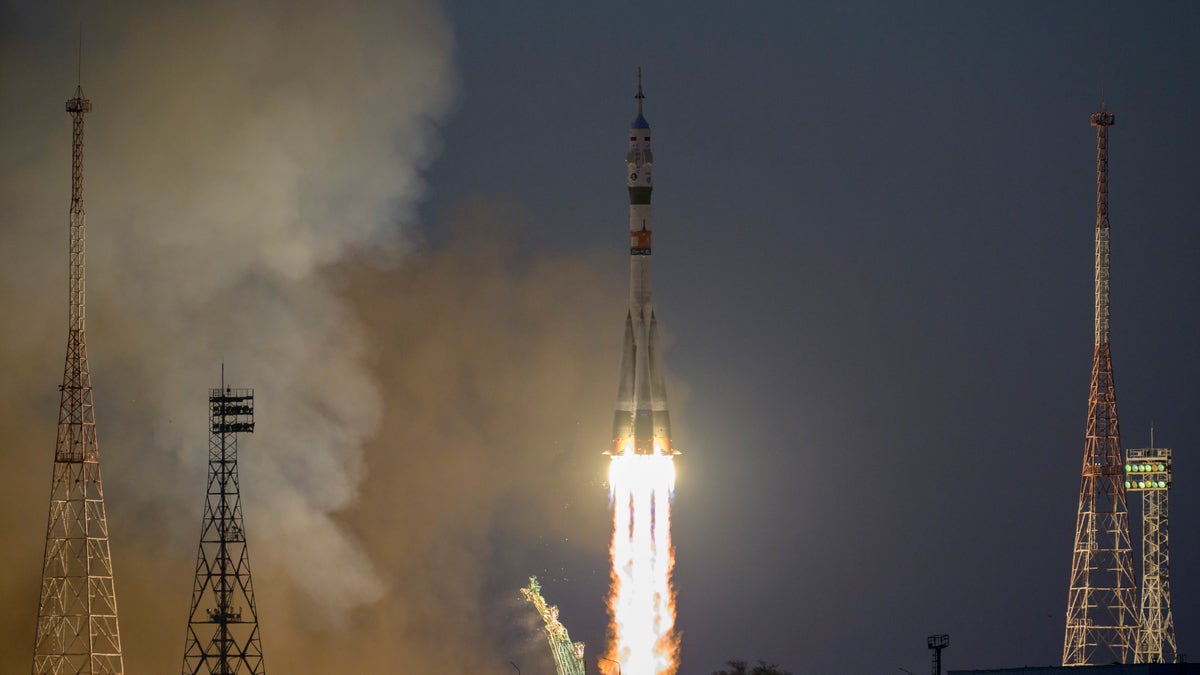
(641, 602)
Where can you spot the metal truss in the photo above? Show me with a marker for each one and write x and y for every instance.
(1148, 470)
(223, 636)
(77, 630)
(1101, 624)
(568, 656)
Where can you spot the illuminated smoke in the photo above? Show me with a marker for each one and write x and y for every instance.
(235, 152)
(251, 175)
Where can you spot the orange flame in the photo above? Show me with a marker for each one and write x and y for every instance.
(641, 602)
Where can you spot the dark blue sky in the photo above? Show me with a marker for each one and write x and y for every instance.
(874, 256)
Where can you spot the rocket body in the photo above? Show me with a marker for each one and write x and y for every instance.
(641, 424)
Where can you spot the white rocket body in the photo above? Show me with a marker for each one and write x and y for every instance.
(641, 424)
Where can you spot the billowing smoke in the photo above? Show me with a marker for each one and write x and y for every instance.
(252, 175)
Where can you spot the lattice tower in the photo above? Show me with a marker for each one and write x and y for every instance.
(568, 656)
(1148, 470)
(936, 644)
(223, 634)
(1101, 623)
(77, 630)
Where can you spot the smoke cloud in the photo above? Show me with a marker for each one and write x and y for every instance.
(252, 173)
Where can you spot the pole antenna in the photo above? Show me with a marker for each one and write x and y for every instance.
(79, 65)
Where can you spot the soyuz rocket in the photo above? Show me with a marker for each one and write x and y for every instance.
(641, 424)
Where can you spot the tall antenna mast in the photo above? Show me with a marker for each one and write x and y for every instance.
(1101, 624)
(77, 630)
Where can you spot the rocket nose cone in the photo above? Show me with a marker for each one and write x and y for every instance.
(640, 123)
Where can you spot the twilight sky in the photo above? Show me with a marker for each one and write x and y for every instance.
(874, 230)
(873, 259)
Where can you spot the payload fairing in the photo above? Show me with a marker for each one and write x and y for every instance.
(641, 424)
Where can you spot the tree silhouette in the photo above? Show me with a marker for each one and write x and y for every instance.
(741, 668)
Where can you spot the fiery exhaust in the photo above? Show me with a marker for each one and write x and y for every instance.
(641, 603)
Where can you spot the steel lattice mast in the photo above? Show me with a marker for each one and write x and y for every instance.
(1148, 470)
(77, 630)
(568, 656)
(1101, 623)
(222, 634)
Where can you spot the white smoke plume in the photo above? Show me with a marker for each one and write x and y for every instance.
(429, 420)
(235, 151)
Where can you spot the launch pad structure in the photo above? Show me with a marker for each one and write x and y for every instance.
(568, 656)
